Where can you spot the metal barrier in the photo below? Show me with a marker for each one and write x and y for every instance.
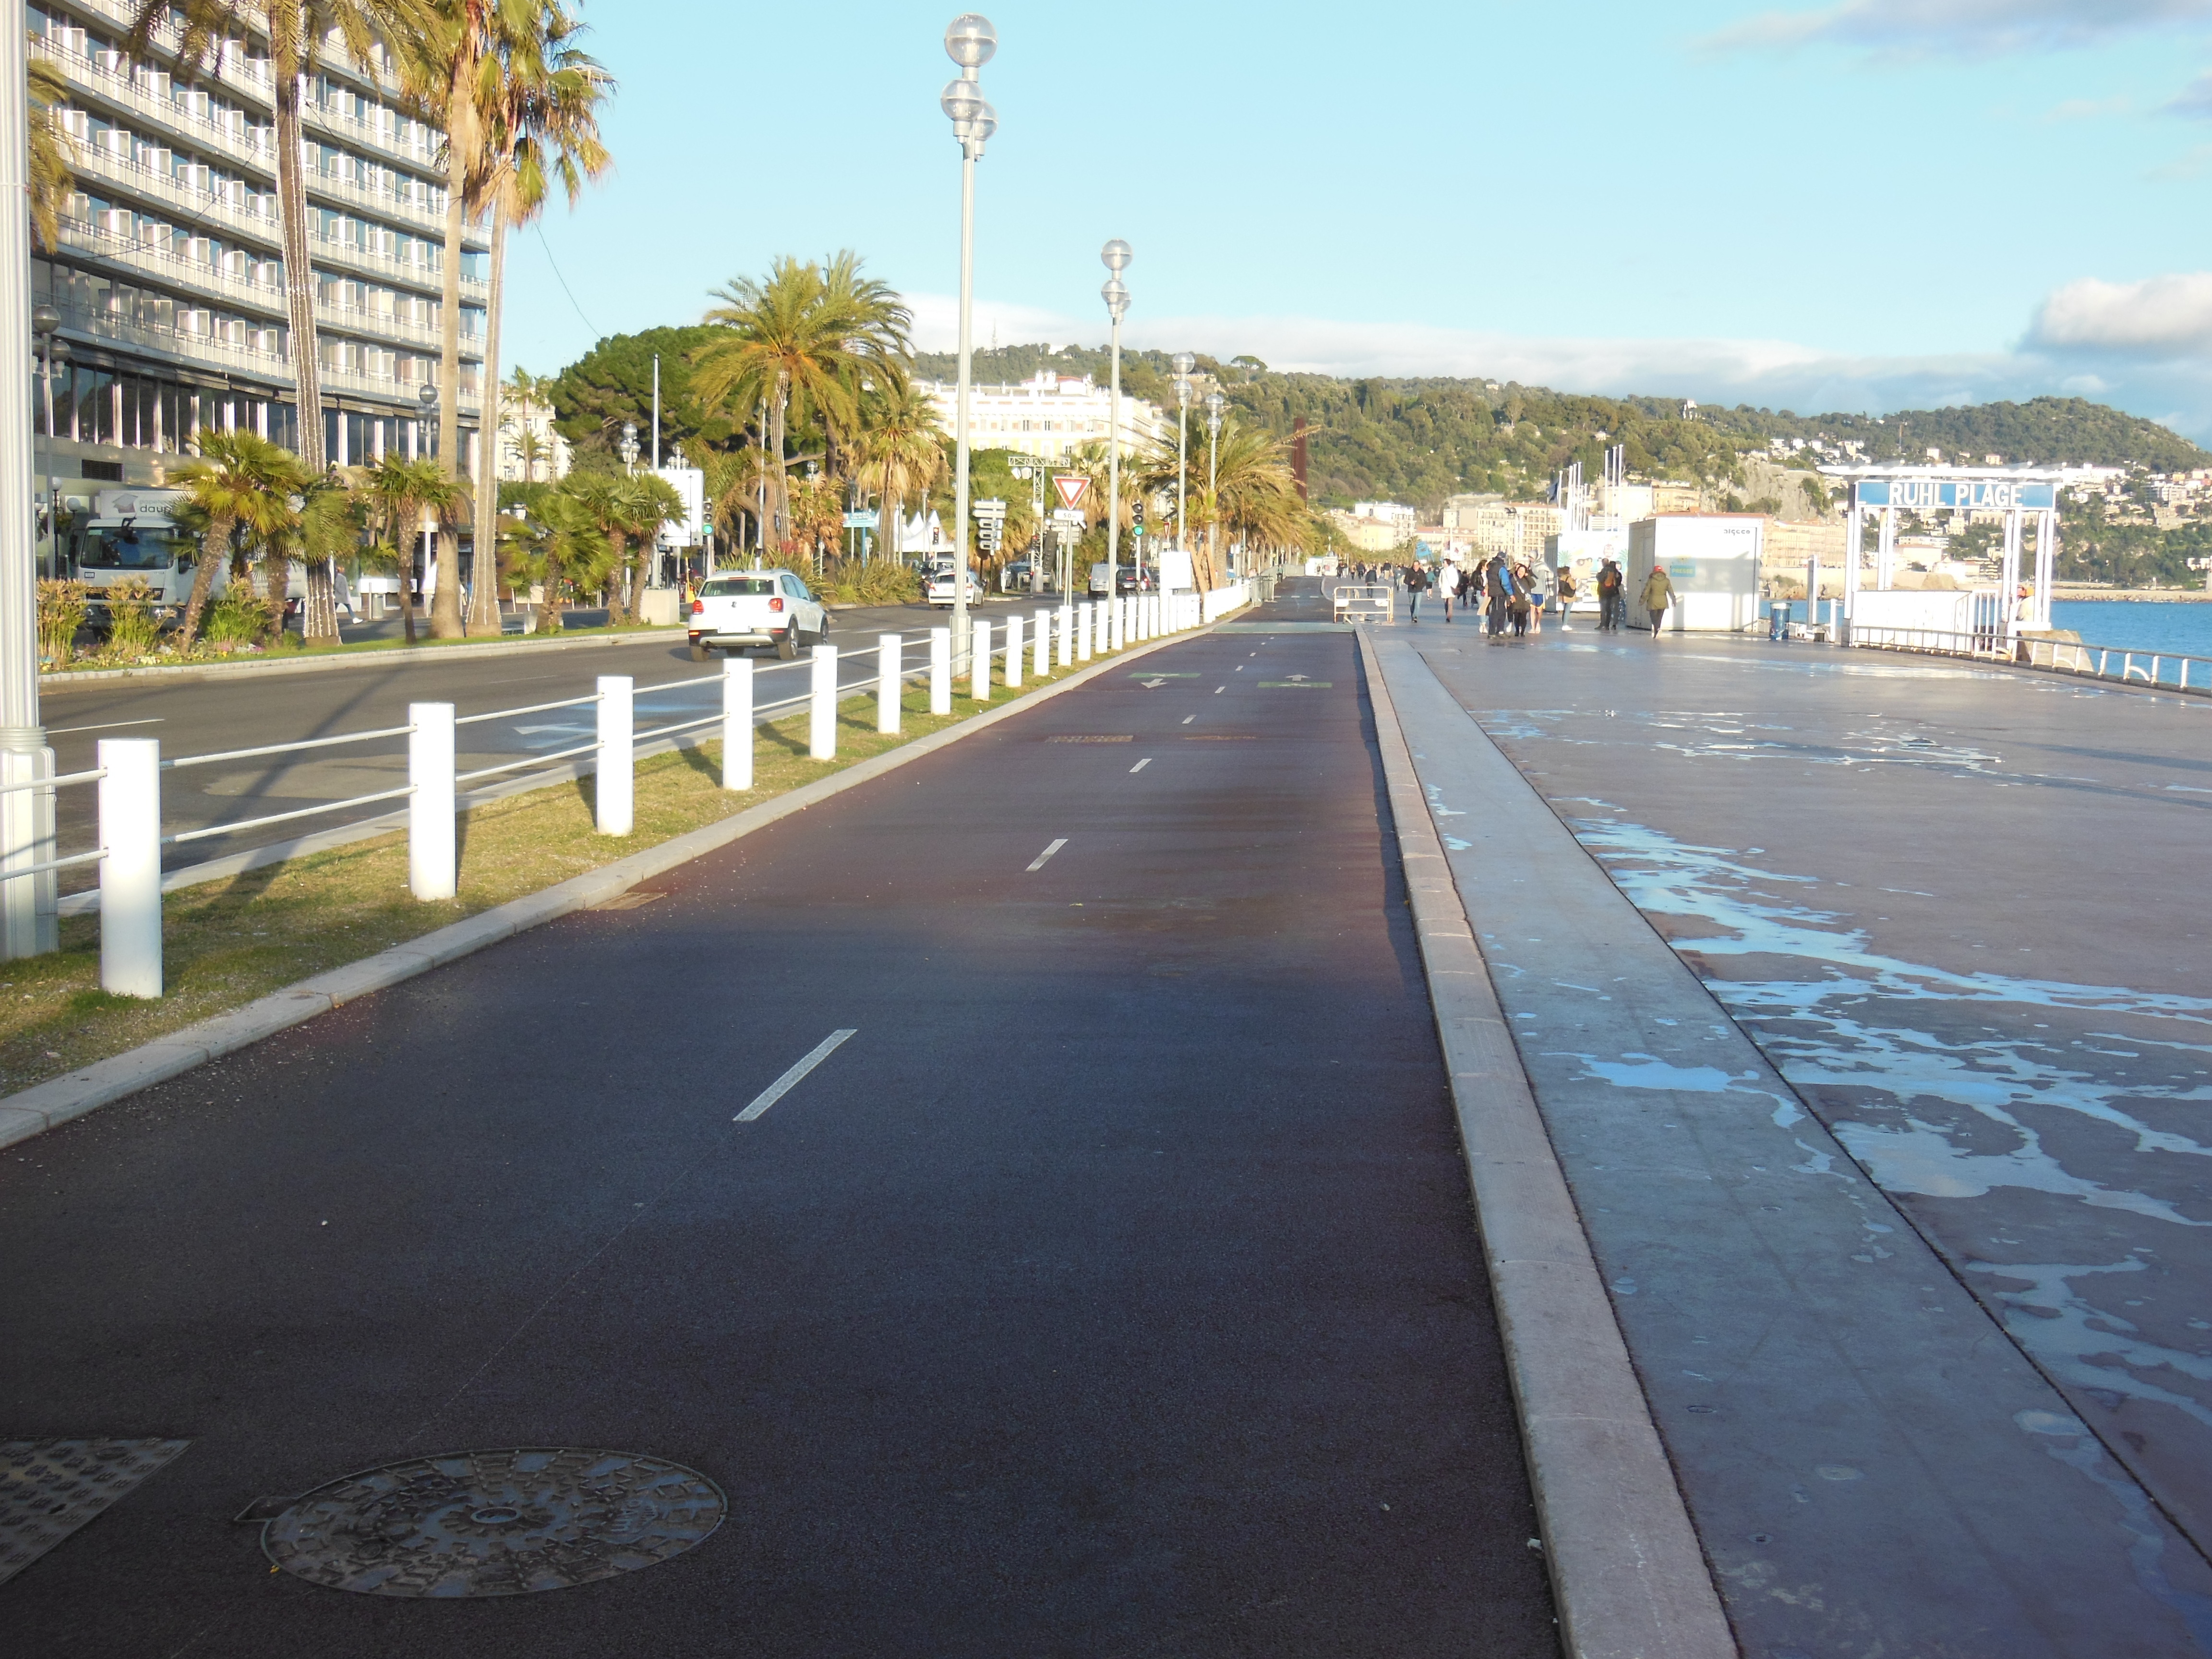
(1363, 602)
(2170, 671)
(130, 770)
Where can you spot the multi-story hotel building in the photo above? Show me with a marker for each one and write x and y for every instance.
(169, 274)
(1049, 416)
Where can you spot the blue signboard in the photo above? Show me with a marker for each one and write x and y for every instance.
(1957, 495)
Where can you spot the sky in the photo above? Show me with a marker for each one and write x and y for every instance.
(1866, 205)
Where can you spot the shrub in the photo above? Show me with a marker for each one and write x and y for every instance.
(132, 626)
(62, 610)
(239, 617)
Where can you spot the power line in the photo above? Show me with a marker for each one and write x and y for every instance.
(563, 280)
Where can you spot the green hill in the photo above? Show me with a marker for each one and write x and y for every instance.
(1420, 441)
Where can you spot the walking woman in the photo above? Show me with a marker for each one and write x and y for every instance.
(1658, 594)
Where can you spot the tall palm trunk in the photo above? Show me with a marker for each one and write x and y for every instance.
(321, 621)
(618, 608)
(484, 574)
(215, 547)
(780, 522)
(446, 599)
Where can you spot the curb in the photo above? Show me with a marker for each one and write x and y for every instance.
(45, 1105)
(1628, 1577)
(509, 646)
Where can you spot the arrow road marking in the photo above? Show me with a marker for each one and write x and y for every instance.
(784, 1084)
(1151, 685)
(1038, 862)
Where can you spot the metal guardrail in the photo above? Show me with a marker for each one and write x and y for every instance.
(130, 769)
(2168, 669)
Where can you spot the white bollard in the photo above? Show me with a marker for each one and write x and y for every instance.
(1082, 631)
(821, 710)
(1014, 651)
(979, 661)
(940, 670)
(1117, 622)
(430, 808)
(1040, 632)
(890, 657)
(131, 874)
(614, 784)
(1067, 635)
(737, 722)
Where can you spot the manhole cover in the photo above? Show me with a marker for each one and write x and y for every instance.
(494, 1522)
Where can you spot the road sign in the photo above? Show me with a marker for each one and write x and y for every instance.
(865, 520)
(1071, 488)
(1067, 515)
(992, 509)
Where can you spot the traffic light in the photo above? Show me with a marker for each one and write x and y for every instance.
(1137, 517)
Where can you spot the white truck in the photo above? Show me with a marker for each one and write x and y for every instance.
(130, 535)
(737, 609)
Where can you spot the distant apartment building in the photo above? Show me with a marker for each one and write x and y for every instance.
(169, 277)
(1395, 514)
(529, 450)
(1048, 416)
(1489, 526)
(1369, 534)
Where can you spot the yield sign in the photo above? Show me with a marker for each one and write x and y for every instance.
(1071, 489)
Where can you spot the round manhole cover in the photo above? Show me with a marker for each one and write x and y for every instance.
(494, 1522)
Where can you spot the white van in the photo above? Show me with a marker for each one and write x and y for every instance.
(130, 535)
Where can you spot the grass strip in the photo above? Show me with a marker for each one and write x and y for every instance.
(227, 943)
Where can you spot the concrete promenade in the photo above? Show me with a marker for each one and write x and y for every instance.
(1878, 1071)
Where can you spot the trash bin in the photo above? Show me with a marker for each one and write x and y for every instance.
(1777, 622)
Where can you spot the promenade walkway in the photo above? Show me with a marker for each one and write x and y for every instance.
(1878, 1071)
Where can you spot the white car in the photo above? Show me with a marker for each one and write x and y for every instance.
(747, 608)
(938, 591)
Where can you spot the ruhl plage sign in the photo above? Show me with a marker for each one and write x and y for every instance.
(1957, 495)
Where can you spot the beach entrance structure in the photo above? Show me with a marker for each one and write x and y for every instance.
(2017, 493)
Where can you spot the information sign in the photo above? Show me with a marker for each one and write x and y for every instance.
(1957, 495)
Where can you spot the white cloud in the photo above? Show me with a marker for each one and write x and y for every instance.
(1980, 28)
(2143, 347)
(2159, 316)
(2195, 100)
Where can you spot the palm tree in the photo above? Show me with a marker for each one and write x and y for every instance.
(541, 128)
(321, 522)
(238, 481)
(900, 452)
(800, 342)
(559, 545)
(298, 31)
(1254, 493)
(627, 510)
(392, 494)
(51, 152)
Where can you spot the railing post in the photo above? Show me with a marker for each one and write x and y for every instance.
(1117, 622)
(1041, 655)
(131, 874)
(1082, 631)
(979, 661)
(1014, 651)
(28, 926)
(940, 670)
(891, 657)
(737, 722)
(616, 784)
(1066, 622)
(430, 808)
(822, 709)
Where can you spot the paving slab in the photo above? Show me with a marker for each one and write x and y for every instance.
(1873, 1465)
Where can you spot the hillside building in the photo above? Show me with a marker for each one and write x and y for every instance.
(1048, 416)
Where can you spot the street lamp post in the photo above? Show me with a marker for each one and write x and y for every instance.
(1115, 256)
(429, 399)
(46, 324)
(1215, 403)
(970, 42)
(1184, 362)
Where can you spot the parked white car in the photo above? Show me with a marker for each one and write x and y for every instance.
(939, 589)
(747, 608)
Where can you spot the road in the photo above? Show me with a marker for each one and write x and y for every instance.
(1960, 909)
(1113, 1289)
(252, 710)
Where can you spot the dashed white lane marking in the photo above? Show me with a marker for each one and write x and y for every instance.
(1188, 718)
(784, 1084)
(1139, 767)
(1038, 862)
(1218, 689)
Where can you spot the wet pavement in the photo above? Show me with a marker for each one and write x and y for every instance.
(1960, 909)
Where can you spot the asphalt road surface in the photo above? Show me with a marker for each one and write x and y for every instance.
(1113, 1290)
(1961, 909)
(253, 710)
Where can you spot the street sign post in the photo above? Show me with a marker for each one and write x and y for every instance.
(1071, 489)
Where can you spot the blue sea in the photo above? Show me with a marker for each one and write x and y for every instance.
(2184, 630)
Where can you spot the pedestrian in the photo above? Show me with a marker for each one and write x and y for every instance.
(1537, 574)
(1608, 597)
(1566, 599)
(1448, 585)
(1498, 594)
(1658, 594)
(1417, 583)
